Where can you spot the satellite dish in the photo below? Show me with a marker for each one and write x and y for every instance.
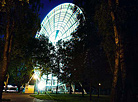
(60, 22)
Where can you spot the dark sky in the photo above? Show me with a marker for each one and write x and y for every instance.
(48, 6)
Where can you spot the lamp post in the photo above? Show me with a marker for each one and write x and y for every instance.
(99, 89)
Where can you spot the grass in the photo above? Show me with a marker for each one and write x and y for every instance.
(5, 100)
(72, 98)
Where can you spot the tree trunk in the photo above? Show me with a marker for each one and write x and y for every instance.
(57, 76)
(119, 57)
(73, 88)
(6, 83)
(70, 92)
(57, 87)
(123, 70)
(115, 78)
(51, 82)
(46, 80)
(18, 88)
(90, 91)
(98, 91)
(82, 92)
(115, 74)
(7, 50)
(5, 55)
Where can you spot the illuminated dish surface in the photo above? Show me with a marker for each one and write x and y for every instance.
(60, 22)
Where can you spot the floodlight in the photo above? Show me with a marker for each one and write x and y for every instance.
(35, 76)
(41, 85)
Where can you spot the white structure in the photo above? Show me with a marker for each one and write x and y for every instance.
(58, 24)
(48, 83)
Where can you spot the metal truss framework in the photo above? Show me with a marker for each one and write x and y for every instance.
(60, 22)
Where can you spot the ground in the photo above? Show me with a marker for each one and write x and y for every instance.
(73, 97)
(17, 97)
(21, 97)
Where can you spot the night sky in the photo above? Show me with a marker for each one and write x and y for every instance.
(48, 6)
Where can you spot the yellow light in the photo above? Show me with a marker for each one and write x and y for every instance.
(35, 76)
(99, 84)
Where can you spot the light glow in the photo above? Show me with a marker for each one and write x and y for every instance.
(41, 85)
(35, 76)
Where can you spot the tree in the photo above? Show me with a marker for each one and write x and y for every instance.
(19, 74)
(41, 51)
(43, 55)
(108, 23)
(18, 15)
(37, 54)
(93, 51)
(114, 21)
(58, 59)
(67, 64)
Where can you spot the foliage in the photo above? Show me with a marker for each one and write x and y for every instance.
(20, 22)
(123, 11)
(105, 28)
(42, 54)
(82, 58)
(37, 54)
